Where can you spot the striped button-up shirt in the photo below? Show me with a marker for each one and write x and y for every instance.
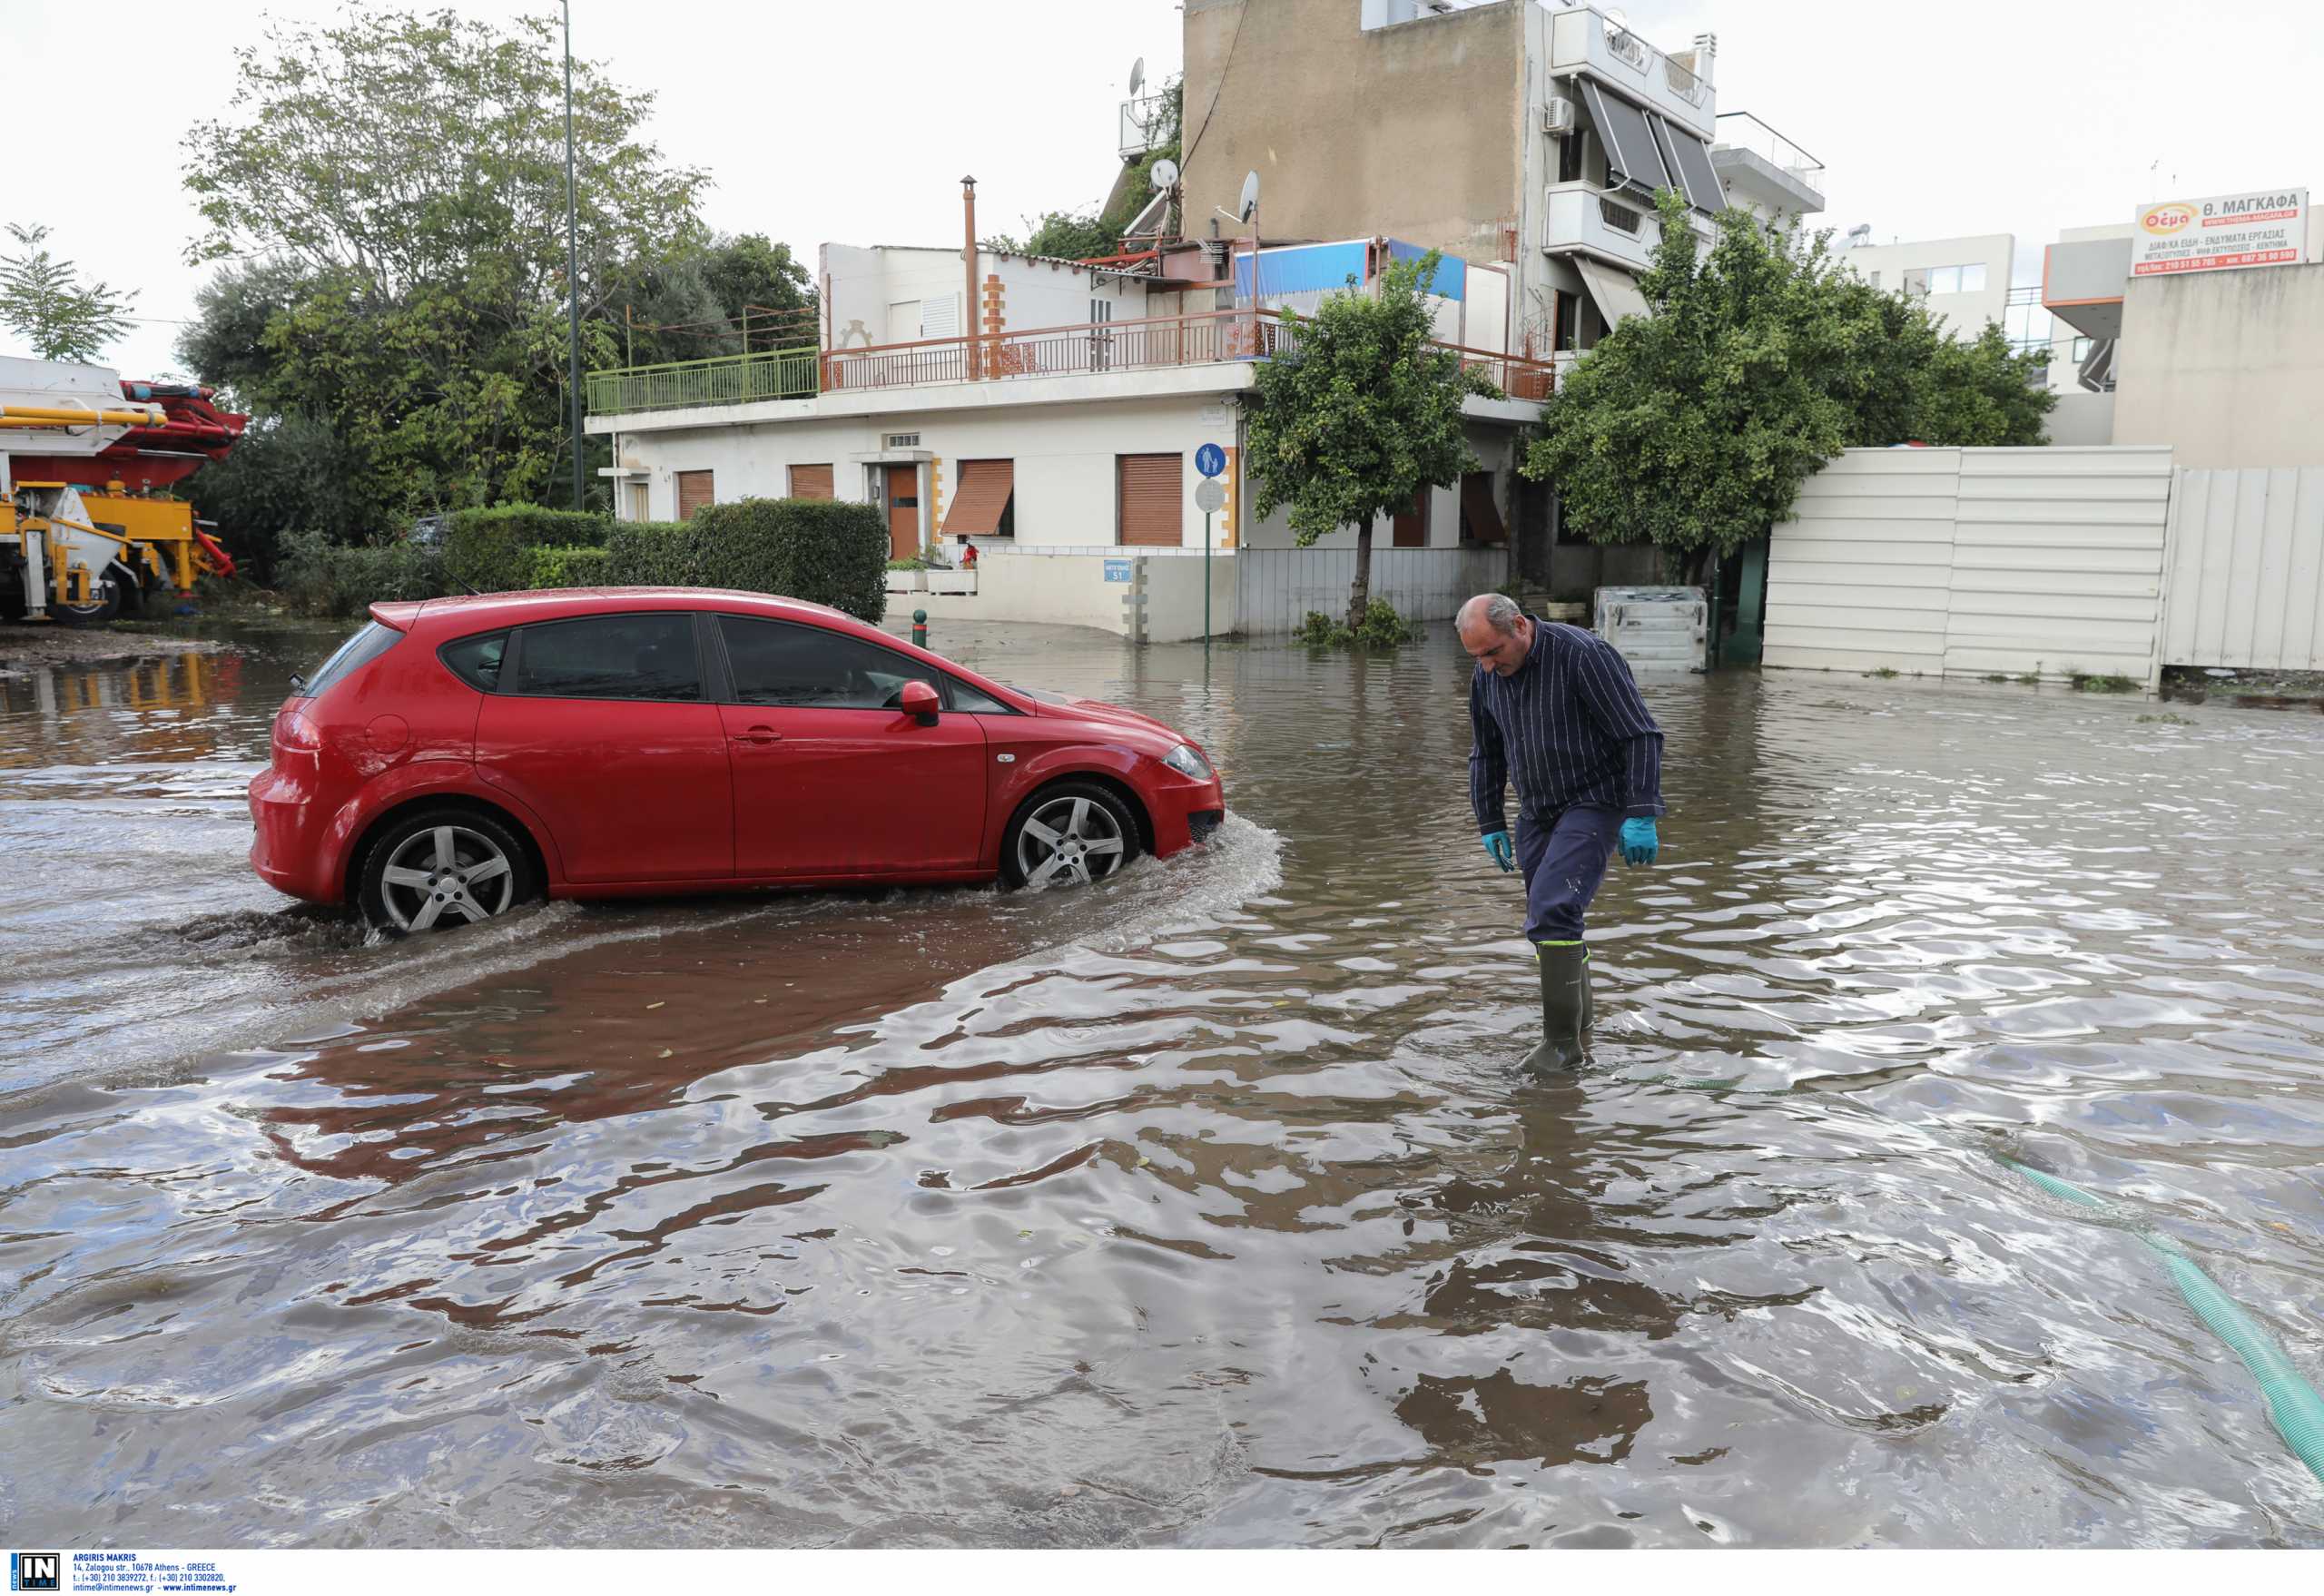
(1569, 726)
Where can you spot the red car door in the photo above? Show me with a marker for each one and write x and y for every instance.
(832, 777)
(603, 730)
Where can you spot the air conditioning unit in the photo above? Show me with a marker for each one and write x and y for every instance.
(1558, 116)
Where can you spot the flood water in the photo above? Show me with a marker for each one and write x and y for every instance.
(1204, 1207)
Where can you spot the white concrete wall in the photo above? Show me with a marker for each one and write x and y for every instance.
(1145, 595)
(1974, 562)
(2227, 368)
(866, 285)
(2083, 419)
(2246, 578)
(1064, 456)
(1966, 314)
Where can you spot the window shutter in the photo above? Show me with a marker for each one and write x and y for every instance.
(811, 482)
(980, 499)
(1151, 499)
(694, 491)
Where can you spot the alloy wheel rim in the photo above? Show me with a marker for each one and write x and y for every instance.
(1068, 841)
(446, 870)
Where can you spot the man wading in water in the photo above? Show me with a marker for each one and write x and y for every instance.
(1553, 708)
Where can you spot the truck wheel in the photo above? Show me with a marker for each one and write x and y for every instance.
(91, 615)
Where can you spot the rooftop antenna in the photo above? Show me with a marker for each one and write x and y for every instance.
(1137, 76)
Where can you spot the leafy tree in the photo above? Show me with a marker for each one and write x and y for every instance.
(1693, 427)
(400, 179)
(1358, 413)
(44, 300)
(1984, 394)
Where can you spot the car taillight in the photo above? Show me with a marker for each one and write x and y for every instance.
(296, 736)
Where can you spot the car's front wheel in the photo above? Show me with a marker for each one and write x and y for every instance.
(445, 867)
(1071, 834)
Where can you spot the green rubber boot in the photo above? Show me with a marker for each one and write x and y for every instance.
(1565, 1008)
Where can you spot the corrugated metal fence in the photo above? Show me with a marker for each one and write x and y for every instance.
(1277, 587)
(2245, 581)
(1974, 562)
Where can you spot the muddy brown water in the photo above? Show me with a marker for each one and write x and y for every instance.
(1204, 1207)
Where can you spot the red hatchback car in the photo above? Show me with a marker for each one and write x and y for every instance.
(458, 756)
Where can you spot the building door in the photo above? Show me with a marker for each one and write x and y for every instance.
(695, 489)
(903, 512)
(1149, 499)
(1412, 525)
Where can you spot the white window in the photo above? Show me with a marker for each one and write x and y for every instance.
(903, 440)
(1945, 280)
(1972, 278)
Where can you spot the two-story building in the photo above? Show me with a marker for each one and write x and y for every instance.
(1054, 412)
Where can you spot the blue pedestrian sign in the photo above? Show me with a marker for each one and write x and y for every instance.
(1210, 459)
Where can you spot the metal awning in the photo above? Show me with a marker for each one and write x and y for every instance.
(1632, 160)
(1615, 290)
(1687, 159)
(979, 500)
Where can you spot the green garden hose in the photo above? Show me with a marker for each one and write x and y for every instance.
(2293, 1406)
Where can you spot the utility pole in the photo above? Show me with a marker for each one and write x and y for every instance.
(572, 269)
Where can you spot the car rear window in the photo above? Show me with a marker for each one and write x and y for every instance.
(349, 657)
(476, 660)
(649, 656)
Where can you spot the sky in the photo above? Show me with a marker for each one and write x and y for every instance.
(822, 120)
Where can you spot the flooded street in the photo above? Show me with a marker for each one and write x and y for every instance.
(1203, 1207)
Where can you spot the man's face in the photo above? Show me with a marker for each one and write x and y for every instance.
(1500, 652)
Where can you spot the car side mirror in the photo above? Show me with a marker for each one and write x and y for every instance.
(919, 702)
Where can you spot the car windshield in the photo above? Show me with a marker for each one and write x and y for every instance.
(349, 657)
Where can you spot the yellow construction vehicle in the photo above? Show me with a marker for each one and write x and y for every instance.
(83, 535)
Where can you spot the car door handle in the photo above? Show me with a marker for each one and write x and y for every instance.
(759, 736)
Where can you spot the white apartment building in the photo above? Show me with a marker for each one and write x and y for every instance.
(1062, 430)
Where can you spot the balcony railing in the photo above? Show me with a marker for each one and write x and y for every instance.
(1082, 350)
(727, 379)
(1739, 130)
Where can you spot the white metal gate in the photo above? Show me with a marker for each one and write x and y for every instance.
(2245, 581)
(1974, 562)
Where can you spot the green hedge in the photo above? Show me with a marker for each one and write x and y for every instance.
(653, 553)
(492, 550)
(814, 549)
(573, 567)
(321, 577)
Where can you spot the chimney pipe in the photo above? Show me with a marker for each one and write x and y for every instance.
(969, 265)
(1706, 57)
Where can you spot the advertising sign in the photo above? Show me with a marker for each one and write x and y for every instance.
(2262, 227)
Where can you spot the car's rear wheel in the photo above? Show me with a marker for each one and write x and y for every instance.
(445, 867)
(1068, 834)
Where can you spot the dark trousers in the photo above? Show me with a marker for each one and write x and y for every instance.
(1564, 860)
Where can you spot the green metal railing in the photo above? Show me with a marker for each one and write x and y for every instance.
(727, 379)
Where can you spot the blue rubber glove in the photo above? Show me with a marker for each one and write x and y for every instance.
(1638, 840)
(1503, 853)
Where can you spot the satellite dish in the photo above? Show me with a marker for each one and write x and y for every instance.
(1249, 205)
(1618, 19)
(1164, 173)
(1137, 76)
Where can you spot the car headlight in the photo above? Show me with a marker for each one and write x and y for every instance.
(1187, 762)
